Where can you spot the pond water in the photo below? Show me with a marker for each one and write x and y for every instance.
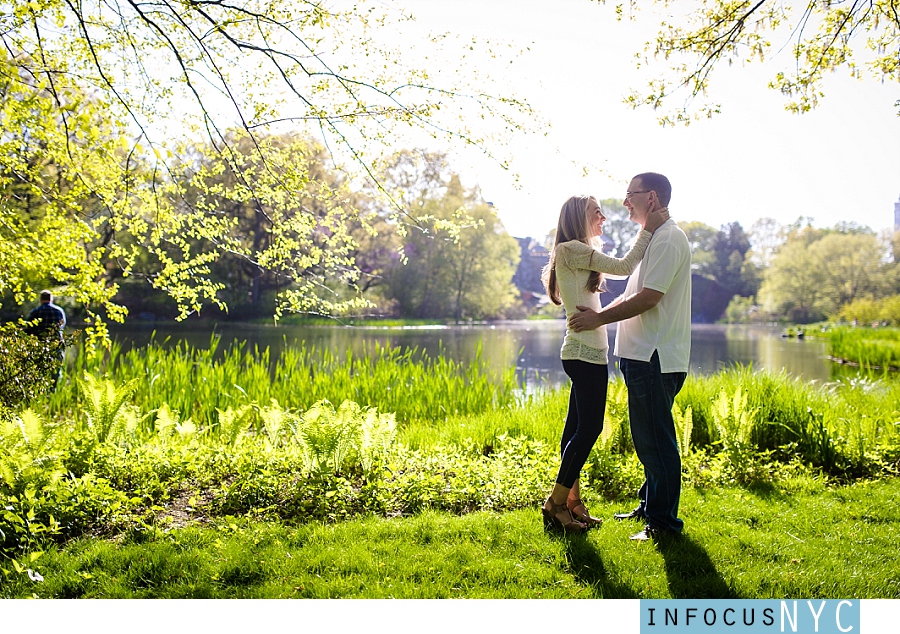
(532, 346)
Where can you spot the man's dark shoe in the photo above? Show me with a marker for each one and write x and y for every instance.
(652, 533)
(636, 514)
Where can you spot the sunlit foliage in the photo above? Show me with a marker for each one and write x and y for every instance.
(696, 37)
(101, 101)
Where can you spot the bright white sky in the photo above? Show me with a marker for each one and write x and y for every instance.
(839, 163)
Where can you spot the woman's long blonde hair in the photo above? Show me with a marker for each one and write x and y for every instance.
(574, 224)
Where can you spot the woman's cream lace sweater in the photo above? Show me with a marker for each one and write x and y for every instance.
(574, 262)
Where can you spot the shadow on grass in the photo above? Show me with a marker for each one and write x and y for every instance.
(587, 567)
(768, 492)
(690, 572)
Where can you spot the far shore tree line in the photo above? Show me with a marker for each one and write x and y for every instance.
(798, 273)
(804, 274)
(456, 261)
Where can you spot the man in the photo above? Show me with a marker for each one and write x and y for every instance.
(50, 319)
(653, 343)
(49, 316)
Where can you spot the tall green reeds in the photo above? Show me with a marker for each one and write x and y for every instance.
(876, 348)
(198, 383)
(847, 427)
(839, 426)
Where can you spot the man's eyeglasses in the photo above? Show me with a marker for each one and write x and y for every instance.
(630, 194)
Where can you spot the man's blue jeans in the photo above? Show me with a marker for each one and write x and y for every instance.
(651, 395)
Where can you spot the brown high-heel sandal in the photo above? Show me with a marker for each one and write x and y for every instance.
(583, 516)
(553, 523)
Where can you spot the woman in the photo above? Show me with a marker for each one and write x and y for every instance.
(574, 277)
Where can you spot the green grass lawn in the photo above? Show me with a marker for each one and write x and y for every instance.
(799, 540)
(437, 502)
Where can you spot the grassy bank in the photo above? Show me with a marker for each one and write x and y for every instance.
(873, 348)
(152, 441)
(803, 540)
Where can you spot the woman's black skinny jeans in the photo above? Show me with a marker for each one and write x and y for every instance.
(584, 420)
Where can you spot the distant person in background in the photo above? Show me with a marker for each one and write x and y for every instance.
(573, 276)
(653, 343)
(49, 316)
(50, 323)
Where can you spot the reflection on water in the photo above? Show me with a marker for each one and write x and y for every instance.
(532, 346)
(714, 347)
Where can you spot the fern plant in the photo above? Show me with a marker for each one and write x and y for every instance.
(328, 439)
(684, 426)
(734, 422)
(376, 434)
(274, 420)
(103, 404)
(616, 436)
(27, 460)
(167, 425)
(233, 423)
(611, 434)
(323, 440)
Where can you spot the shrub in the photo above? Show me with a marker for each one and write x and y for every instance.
(29, 364)
(868, 311)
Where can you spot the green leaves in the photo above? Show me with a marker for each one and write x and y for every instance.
(823, 36)
(102, 168)
(103, 401)
(458, 261)
(29, 364)
(232, 423)
(817, 271)
(327, 439)
(734, 425)
(60, 177)
(684, 426)
(29, 459)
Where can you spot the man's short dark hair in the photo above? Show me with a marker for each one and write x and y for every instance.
(658, 183)
(46, 296)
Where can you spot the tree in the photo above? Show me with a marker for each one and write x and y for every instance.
(467, 276)
(94, 86)
(817, 272)
(618, 226)
(851, 227)
(766, 235)
(851, 265)
(701, 237)
(718, 254)
(481, 266)
(288, 233)
(718, 257)
(29, 364)
(740, 310)
(730, 247)
(793, 287)
(860, 36)
(64, 171)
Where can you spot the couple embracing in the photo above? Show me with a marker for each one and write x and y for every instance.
(653, 344)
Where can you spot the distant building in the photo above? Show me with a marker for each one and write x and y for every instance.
(897, 215)
(608, 244)
(534, 258)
